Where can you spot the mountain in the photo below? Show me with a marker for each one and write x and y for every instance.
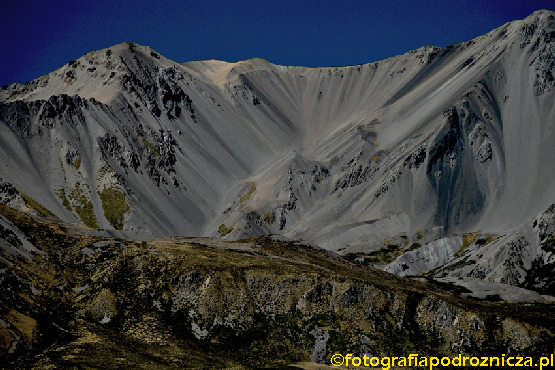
(214, 214)
(372, 161)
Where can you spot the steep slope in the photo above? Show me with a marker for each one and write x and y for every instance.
(457, 143)
(439, 141)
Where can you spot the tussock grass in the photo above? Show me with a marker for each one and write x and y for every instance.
(114, 205)
(41, 210)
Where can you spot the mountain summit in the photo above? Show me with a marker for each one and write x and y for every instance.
(437, 141)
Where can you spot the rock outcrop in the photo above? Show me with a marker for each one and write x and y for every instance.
(72, 299)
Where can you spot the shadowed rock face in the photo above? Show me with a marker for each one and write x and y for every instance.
(436, 141)
(72, 299)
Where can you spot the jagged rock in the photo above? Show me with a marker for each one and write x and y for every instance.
(427, 257)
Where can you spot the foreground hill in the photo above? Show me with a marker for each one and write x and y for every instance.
(72, 297)
(436, 162)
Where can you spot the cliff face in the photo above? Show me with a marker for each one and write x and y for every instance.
(74, 299)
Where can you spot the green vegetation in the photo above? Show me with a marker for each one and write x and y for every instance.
(105, 170)
(468, 238)
(382, 256)
(114, 206)
(151, 147)
(62, 194)
(77, 163)
(224, 230)
(413, 247)
(269, 217)
(41, 210)
(249, 193)
(103, 304)
(419, 234)
(83, 207)
(375, 158)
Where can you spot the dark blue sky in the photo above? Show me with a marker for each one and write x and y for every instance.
(37, 37)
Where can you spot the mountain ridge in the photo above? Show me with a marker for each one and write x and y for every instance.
(205, 213)
(228, 114)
